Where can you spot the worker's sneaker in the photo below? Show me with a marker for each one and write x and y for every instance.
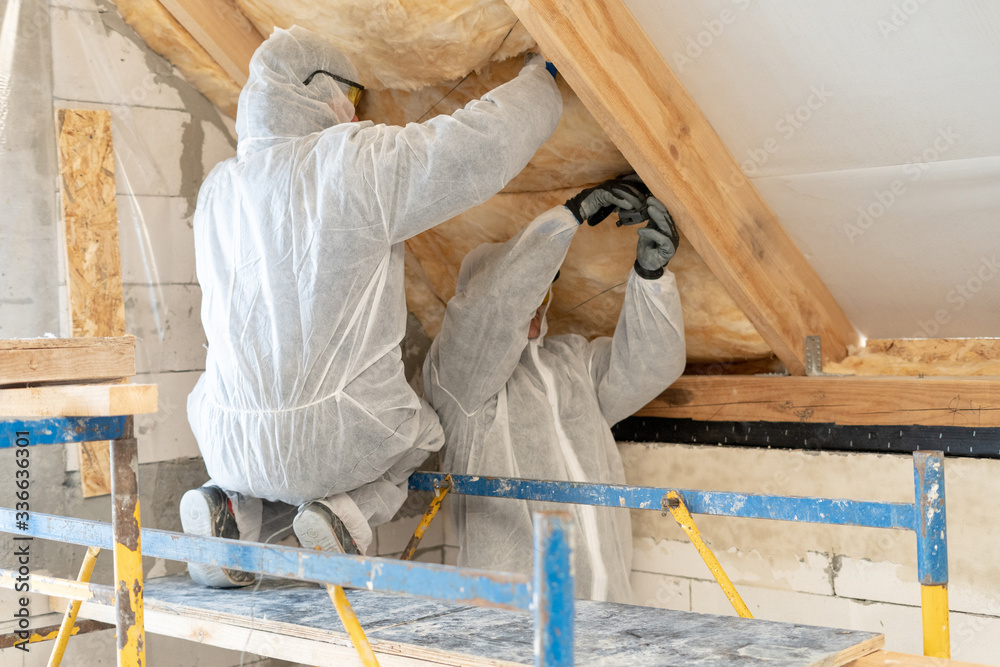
(317, 527)
(205, 511)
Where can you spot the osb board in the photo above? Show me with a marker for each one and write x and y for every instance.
(93, 261)
(30, 360)
(923, 356)
(408, 631)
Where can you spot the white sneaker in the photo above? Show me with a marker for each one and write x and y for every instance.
(317, 527)
(205, 511)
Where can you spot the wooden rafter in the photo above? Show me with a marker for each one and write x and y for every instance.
(222, 30)
(628, 87)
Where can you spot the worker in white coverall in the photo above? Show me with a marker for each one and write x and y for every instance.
(514, 403)
(299, 246)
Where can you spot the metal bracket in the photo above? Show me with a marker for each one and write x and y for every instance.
(668, 503)
(441, 484)
(814, 359)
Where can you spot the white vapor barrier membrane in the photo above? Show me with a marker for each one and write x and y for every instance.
(908, 251)
(30, 273)
(826, 106)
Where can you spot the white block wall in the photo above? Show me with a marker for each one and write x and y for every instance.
(166, 139)
(839, 576)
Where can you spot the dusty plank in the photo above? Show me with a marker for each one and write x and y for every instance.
(93, 260)
(222, 30)
(971, 402)
(63, 359)
(628, 87)
(91, 400)
(294, 621)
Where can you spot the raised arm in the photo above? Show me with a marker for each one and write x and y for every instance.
(424, 174)
(646, 353)
(485, 326)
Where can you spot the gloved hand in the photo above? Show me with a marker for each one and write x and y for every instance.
(530, 58)
(596, 203)
(658, 241)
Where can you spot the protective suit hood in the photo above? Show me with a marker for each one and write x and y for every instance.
(275, 106)
(482, 258)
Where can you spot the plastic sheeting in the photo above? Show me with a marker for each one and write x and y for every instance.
(166, 136)
(869, 128)
(29, 270)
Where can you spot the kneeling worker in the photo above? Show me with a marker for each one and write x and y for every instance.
(299, 247)
(514, 403)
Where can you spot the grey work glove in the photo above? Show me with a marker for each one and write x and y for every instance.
(595, 204)
(658, 241)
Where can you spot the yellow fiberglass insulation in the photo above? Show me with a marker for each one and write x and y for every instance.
(939, 357)
(403, 44)
(420, 58)
(578, 153)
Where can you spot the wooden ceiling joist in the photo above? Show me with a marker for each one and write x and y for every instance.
(891, 401)
(222, 30)
(626, 84)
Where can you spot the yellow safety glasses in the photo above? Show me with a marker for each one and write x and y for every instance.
(354, 90)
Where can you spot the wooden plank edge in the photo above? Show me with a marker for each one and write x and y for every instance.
(893, 659)
(79, 401)
(929, 401)
(99, 342)
(854, 652)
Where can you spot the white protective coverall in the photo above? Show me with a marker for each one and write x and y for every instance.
(543, 408)
(299, 250)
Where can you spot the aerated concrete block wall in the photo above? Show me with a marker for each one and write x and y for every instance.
(856, 578)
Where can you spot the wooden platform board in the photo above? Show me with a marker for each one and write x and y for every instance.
(296, 621)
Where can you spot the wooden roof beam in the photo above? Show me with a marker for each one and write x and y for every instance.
(221, 29)
(626, 84)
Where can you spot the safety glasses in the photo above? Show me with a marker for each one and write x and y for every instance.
(354, 90)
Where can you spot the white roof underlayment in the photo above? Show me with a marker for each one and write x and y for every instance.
(872, 129)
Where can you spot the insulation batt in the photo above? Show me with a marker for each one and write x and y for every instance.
(942, 357)
(578, 153)
(405, 44)
(412, 56)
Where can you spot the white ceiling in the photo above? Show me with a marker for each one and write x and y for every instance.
(905, 98)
